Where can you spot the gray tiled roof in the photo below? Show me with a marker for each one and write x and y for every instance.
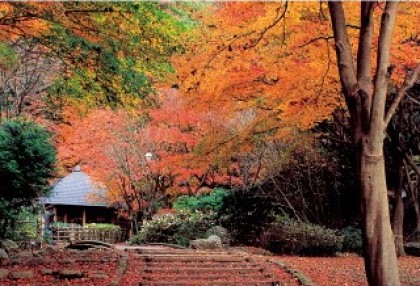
(75, 189)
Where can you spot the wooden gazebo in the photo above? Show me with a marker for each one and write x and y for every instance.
(76, 199)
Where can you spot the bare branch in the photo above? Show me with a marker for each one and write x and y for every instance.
(408, 83)
(324, 38)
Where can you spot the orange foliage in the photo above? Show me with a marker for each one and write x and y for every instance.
(278, 60)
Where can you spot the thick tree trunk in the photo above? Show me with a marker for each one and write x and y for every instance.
(380, 259)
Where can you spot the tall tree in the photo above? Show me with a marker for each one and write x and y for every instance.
(365, 98)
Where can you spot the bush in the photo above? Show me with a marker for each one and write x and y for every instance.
(178, 228)
(352, 239)
(244, 214)
(212, 201)
(295, 237)
(103, 226)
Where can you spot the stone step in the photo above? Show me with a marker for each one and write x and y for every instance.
(143, 255)
(196, 258)
(207, 283)
(153, 251)
(233, 270)
(206, 276)
(204, 264)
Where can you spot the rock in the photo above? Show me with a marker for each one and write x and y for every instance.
(35, 261)
(21, 275)
(221, 232)
(3, 254)
(24, 255)
(70, 274)
(8, 245)
(47, 271)
(212, 242)
(4, 273)
(48, 250)
(412, 248)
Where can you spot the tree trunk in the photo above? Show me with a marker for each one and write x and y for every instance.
(398, 218)
(380, 259)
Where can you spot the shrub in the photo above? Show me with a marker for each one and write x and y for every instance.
(178, 228)
(103, 226)
(296, 237)
(244, 214)
(352, 239)
(212, 201)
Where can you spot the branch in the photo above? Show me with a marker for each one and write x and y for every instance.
(408, 83)
(410, 162)
(276, 20)
(325, 38)
(247, 34)
(343, 48)
(377, 110)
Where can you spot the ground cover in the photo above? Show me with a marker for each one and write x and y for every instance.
(156, 265)
(343, 271)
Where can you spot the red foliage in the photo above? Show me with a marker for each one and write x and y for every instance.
(348, 271)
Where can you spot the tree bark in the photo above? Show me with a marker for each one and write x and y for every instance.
(379, 249)
(366, 104)
(398, 218)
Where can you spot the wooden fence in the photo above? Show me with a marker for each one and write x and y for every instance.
(77, 232)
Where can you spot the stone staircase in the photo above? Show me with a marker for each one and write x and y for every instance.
(185, 267)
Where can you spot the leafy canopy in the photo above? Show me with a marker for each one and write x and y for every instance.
(27, 159)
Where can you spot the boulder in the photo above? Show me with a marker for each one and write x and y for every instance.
(212, 242)
(221, 232)
(8, 245)
(3, 255)
(48, 250)
(412, 248)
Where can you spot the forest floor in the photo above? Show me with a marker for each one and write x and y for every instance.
(164, 266)
(348, 271)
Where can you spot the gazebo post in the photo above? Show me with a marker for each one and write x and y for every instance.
(84, 217)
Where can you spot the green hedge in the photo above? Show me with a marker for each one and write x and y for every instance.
(178, 228)
(352, 239)
(295, 237)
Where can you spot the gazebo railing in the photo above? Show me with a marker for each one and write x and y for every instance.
(73, 232)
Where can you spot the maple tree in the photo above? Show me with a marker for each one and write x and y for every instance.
(258, 56)
(107, 53)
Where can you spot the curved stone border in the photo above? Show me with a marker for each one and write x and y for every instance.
(302, 278)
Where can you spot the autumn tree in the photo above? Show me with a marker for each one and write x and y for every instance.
(108, 53)
(366, 97)
(261, 55)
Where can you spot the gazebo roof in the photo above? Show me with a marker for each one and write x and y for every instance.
(76, 189)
